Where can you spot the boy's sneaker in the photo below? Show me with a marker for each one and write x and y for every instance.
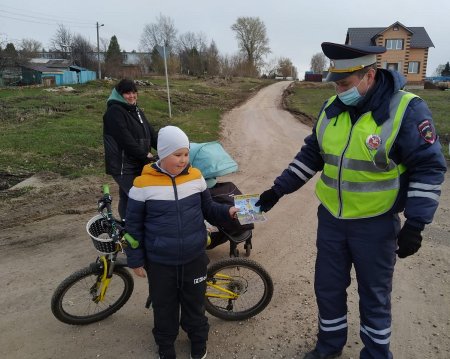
(201, 355)
(198, 351)
(167, 353)
(165, 356)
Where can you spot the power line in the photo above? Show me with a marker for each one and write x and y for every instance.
(44, 23)
(31, 21)
(38, 17)
(45, 16)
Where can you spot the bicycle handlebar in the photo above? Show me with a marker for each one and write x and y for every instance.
(106, 202)
(105, 189)
(131, 241)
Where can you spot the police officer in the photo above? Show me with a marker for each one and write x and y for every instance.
(379, 155)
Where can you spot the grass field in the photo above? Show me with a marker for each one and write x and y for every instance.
(62, 131)
(308, 98)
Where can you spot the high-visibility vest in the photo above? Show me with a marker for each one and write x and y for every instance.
(359, 180)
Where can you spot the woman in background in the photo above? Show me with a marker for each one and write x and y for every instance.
(128, 138)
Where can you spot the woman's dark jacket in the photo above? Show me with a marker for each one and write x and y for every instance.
(127, 137)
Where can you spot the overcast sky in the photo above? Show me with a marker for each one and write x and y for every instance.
(295, 28)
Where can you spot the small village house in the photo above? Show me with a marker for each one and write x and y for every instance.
(407, 48)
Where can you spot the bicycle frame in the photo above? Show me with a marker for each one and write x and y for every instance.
(214, 284)
(102, 284)
(103, 281)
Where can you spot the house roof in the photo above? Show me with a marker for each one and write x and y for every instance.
(366, 36)
(58, 63)
(77, 68)
(41, 68)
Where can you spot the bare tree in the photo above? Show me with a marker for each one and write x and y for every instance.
(438, 70)
(104, 43)
(29, 48)
(232, 65)
(212, 60)
(235, 65)
(62, 41)
(269, 68)
(82, 51)
(163, 32)
(285, 67)
(318, 63)
(252, 40)
(192, 53)
(189, 40)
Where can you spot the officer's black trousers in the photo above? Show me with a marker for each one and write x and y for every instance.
(369, 245)
(178, 298)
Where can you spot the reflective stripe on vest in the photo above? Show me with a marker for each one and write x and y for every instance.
(357, 181)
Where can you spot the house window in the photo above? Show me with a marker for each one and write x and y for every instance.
(392, 66)
(413, 67)
(395, 28)
(394, 44)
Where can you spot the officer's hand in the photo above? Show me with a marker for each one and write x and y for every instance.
(409, 241)
(267, 200)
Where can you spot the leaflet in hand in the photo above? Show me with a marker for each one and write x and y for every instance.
(248, 212)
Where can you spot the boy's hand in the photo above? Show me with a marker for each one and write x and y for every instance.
(140, 272)
(233, 212)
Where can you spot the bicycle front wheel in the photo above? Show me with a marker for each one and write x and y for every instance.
(76, 300)
(237, 289)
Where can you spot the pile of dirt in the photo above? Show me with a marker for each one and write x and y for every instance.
(8, 180)
(47, 194)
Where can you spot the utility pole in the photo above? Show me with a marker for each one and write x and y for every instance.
(98, 52)
(167, 78)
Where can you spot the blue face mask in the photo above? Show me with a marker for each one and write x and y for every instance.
(351, 96)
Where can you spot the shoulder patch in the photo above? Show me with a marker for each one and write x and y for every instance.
(426, 131)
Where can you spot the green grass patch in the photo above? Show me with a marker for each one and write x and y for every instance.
(62, 131)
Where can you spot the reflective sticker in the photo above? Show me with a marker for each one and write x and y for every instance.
(426, 131)
(373, 142)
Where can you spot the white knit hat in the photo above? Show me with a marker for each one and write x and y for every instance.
(170, 139)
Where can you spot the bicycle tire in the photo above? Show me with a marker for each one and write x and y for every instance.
(246, 278)
(72, 302)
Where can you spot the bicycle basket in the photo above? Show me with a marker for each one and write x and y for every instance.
(100, 232)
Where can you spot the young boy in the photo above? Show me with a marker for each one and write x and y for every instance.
(166, 210)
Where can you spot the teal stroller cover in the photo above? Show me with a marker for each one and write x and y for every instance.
(212, 160)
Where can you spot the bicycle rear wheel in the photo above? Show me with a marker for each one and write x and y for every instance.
(237, 289)
(74, 301)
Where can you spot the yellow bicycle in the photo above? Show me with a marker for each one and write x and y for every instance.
(237, 288)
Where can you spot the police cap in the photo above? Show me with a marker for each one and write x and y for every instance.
(346, 59)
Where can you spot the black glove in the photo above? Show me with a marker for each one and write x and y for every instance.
(267, 200)
(409, 241)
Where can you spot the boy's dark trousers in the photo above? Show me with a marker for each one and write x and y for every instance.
(175, 287)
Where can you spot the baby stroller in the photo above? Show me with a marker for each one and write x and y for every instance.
(213, 161)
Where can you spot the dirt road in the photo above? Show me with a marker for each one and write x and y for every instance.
(45, 240)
